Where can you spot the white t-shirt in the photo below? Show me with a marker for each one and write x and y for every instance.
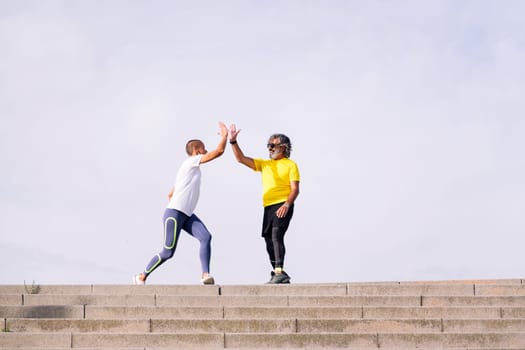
(187, 186)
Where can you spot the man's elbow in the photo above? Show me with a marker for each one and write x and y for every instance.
(239, 158)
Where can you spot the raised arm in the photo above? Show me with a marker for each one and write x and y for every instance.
(237, 152)
(211, 155)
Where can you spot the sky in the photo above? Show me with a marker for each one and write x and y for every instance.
(406, 119)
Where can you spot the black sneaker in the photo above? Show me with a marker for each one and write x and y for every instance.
(280, 278)
(288, 276)
(272, 273)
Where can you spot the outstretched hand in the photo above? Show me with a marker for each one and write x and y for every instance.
(224, 130)
(234, 132)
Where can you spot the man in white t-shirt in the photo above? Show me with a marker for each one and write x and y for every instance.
(179, 213)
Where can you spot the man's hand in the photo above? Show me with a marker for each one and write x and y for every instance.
(282, 211)
(234, 132)
(224, 130)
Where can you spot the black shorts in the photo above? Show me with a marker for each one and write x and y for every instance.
(270, 219)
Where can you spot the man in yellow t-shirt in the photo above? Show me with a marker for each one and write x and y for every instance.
(280, 179)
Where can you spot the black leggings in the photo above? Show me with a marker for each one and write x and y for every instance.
(273, 232)
(275, 247)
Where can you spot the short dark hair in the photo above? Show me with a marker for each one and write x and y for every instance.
(191, 145)
(283, 141)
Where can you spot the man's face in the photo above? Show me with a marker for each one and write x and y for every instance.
(201, 149)
(275, 149)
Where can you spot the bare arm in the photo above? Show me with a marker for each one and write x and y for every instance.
(283, 210)
(237, 152)
(171, 193)
(211, 155)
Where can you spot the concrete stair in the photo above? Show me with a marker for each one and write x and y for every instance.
(476, 314)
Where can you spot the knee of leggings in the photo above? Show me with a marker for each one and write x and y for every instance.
(206, 239)
(165, 254)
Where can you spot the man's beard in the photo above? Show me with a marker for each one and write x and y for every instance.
(274, 154)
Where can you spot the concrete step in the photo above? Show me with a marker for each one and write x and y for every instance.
(370, 312)
(437, 288)
(474, 314)
(303, 312)
(147, 312)
(164, 340)
(513, 312)
(264, 340)
(474, 301)
(407, 301)
(284, 290)
(11, 299)
(89, 299)
(79, 326)
(111, 289)
(152, 326)
(408, 326)
(508, 281)
(231, 300)
(68, 348)
(261, 300)
(35, 340)
(437, 312)
(42, 311)
(413, 289)
(491, 290)
(112, 340)
(356, 290)
(245, 325)
(484, 340)
(281, 348)
(381, 340)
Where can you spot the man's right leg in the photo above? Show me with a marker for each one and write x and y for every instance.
(270, 250)
(268, 217)
(173, 221)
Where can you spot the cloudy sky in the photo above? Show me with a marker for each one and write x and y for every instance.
(406, 118)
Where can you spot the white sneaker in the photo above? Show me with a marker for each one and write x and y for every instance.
(208, 280)
(138, 281)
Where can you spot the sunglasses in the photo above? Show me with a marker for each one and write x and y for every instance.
(272, 145)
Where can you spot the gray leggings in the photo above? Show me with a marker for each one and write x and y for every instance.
(174, 221)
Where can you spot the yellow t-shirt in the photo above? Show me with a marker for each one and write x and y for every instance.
(276, 178)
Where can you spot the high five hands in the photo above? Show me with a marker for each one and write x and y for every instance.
(234, 132)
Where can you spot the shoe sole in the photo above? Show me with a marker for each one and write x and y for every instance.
(208, 281)
(136, 282)
(285, 281)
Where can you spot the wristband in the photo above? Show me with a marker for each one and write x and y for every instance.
(233, 142)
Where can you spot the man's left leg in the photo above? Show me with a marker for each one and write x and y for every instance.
(277, 249)
(195, 227)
